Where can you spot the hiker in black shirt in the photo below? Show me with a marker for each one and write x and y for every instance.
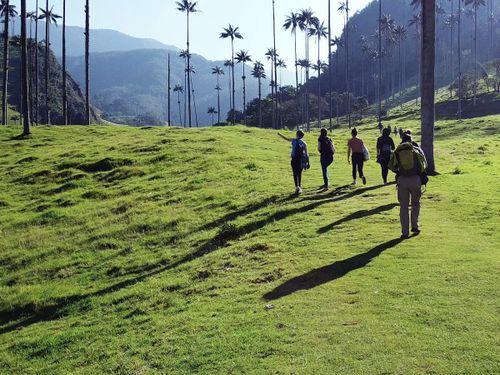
(385, 147)
(326, 149)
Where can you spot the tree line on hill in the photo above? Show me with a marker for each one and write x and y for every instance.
(39, 88)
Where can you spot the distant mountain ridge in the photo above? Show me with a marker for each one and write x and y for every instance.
(101, 40)
(131, 86)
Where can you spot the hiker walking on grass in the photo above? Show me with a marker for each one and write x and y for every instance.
(300, 158)
(385, 147)
(356, 148)
(409, 164)
(326, 149)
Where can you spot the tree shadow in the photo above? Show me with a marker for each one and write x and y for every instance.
(357, 215)
(31, 314)
(328, 273)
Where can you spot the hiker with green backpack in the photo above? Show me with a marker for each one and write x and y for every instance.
(410, 165)
(300, 158)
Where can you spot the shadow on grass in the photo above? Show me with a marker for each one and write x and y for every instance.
(25, 316)
(357, 215)
(328, 273)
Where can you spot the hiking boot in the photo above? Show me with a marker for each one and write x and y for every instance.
(299, 190)
(415, 231)
(364, 180)
(404, 236)
(354, 183)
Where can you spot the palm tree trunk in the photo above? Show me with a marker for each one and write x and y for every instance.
(379, 87)
(306, 103)
(179, 104)
(319, 82)
(244, 96)
(218, 99)
(459, 59)
(188, 74)
(475, 55)
(452, 73)
(427, 80)
(65, 94)
(233, 86)
(275, 66)
(5, 63)
(296, 62)
(330, 71)
(347, 65)
(24, 72)
(47, 65)
(87, 62)
(260, 102)
(169, 90)
(37, 80)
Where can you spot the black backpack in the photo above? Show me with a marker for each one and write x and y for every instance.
(326, 146)
(300, 150)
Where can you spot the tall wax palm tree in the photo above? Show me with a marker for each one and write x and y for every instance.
(292, 23)
(259, 72)
(7, 11)
(428, 80)
(319, 31)
(306, 20)
(218, 71)
(212, 111)
(188, 7)
(476, 4)
(232, 33)
(179, 90)
(24, 72)
(242, 58)
(459, 56)
(400, 33)
(50, 17)
(229, 64)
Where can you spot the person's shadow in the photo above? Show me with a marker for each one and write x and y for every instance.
(328, 273)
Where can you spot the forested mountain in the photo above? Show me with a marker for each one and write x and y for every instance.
(401, 46)
(76, 101)
(131, 87)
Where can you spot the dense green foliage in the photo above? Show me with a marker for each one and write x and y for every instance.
(131, 250)
(76, 101)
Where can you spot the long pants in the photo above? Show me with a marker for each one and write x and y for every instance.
(297, 173)
(409, 191)
(384, 164)
(326, 161)
(357, 164)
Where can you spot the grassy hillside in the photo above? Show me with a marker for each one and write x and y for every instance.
(164, 250)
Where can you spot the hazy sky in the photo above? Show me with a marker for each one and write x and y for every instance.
(160, 20)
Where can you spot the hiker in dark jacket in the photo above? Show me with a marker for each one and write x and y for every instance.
(409, 163)
(385, 146)
(326, 149)
(300, 158)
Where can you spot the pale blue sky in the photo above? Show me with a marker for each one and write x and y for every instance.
(160, 20)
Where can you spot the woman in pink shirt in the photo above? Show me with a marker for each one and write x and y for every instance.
(355, 148)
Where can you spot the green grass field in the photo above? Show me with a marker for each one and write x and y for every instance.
(137, 251)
